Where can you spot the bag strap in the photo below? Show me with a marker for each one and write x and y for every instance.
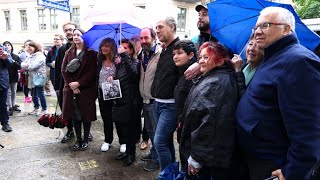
(80, 55)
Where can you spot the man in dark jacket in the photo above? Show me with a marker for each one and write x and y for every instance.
(13, 79)
(203, 25)
(278, 115)
(58, 79)
(5, 61)
(162, 89)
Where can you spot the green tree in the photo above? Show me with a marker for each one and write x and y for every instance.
(307, 9)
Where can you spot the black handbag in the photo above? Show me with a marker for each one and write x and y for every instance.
(75, 63)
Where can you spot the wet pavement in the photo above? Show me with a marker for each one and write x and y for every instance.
(32, 151)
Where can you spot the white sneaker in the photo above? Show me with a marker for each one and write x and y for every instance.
(105, 147)
(34, 112)
(123, 148)
(43, 112)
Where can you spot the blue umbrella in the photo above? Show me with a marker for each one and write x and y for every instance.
(231, 22)
(116, 31)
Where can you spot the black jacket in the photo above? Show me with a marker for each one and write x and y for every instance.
(167, 74)
(13, 68)
(126, 73)
(58, 84)
(208, 133)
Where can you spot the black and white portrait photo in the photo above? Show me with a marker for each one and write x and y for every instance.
(111, 90)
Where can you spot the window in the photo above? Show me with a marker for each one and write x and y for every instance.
(53, 19)
(41, 20)
(75, 16)
(181, 24)
(7, 18)
(24, 20)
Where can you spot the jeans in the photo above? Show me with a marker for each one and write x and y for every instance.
(165, 117)
(150, 125)
(38, 93)
(4, 117)
(12, 91)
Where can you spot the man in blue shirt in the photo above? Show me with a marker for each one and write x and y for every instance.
(279, 114)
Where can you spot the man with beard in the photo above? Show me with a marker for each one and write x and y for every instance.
(58, 80)
(203, 25)
(149, 60)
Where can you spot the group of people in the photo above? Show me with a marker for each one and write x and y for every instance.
(234, 118)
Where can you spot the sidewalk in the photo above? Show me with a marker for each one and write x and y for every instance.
(34, 152)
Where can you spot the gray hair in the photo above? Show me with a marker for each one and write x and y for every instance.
(283, 15)
(171, 22)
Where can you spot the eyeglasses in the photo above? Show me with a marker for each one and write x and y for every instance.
(56, 39)
(266, 25)
(66, 30)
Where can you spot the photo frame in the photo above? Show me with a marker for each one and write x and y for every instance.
(111, 90)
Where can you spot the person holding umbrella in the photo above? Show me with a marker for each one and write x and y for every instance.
(278, 115)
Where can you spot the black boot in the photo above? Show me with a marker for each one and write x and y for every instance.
(78, 145)
(68, 136)
(128, 160)
(121, 156)
(85, 145)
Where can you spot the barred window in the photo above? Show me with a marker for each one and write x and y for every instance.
(24, 20)
(75, 16)
(53, 19)
(7, 19)
(181, 24)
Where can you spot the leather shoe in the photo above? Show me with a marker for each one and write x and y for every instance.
(128, 160)
(6, 127)
(90, 137)
(146, 157)
(67, 137)
(151, 166)
(16, 109)
(84, 145)
(121, 156)
(78, 145)
(10, 112)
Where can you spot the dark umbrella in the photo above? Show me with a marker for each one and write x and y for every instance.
(231, 22)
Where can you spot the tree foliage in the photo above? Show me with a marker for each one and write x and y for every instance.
(307, 9)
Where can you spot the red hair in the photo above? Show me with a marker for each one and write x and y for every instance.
(217, 49)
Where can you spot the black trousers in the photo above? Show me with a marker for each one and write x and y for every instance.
(259, 168)
(137, 108)
(106, 114)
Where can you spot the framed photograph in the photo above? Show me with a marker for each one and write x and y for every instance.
(111, 90)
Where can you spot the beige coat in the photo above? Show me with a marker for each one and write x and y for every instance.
(146, 78)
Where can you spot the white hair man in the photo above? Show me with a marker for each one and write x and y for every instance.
(278, 115)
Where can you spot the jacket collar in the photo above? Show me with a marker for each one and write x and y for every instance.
(279, 45)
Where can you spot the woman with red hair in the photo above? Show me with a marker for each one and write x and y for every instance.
(208, 134)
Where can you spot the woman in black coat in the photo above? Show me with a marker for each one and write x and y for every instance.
(123, 109)
(208, 132)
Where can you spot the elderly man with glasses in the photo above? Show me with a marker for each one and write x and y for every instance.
(279, 114)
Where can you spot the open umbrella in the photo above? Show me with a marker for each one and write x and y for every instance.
(120, 20)
(231, 22)
(116, 31)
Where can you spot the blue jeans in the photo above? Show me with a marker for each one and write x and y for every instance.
(4, 117)
(165, 117)
(38, 93)
(150, 126)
